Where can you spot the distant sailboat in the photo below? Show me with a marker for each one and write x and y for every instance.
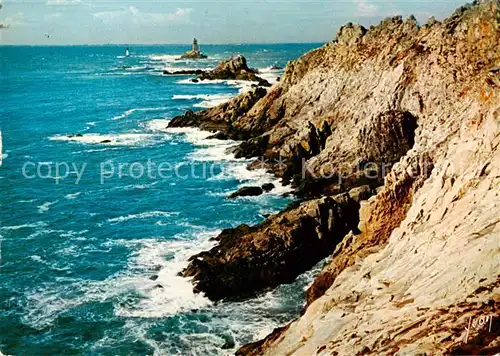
(127, 53)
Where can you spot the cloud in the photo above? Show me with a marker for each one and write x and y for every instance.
(63, 2)
(132, 14)
(14, 20)
(365, 9)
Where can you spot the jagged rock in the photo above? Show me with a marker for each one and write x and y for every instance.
(247, 192)
(361, 193)
(268, 187)
(234, 69)
(252, 259)
(350, 34)
(221, 117)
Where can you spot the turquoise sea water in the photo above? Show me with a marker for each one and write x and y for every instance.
(90, 266)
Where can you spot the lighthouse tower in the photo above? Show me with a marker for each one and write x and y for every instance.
(196, 49)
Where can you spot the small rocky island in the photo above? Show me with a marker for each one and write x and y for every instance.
(195, 52)
(235, 68)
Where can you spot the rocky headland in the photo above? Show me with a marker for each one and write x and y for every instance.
(391, 138)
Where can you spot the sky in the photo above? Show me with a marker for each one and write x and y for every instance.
(57, 22)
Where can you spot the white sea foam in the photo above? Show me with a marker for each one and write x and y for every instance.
(164, 57)
(131, 111)
(46, 206)
(157, 125)
(46, 302)
(149, 214)
(176, 293)
(243, 85)
(126, 139)
(72, 196)
(209, 100)
(270, 74)
(24, 226)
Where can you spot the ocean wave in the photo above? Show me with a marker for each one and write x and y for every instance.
(164, 57)
(46, 206)
(45, 303)
(126, 139)
(25, 226)
(209, 100)
(131, 111)
(176, 293)
(72, 196)
(242, 85)
(147, 215)
(157, 125)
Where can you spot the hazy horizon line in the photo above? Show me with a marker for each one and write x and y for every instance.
(154, 44)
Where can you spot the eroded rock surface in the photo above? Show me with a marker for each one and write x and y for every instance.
(415, 110)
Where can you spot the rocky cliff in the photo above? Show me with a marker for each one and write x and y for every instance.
(413, 113)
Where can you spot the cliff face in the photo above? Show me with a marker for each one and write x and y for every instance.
(427, 260)
(415, 112)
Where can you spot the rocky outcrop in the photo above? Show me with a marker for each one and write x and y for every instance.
(222, 116)
(252, 259)
(247, 192)
(411, 115)
(235, 68)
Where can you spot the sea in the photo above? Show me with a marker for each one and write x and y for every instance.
(101, 205)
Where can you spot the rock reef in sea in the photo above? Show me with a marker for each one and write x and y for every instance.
(391, 138)
(235, 68)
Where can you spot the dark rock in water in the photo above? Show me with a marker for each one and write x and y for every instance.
(194, 80)
(247, 192)
(219, 136)
(228, 345)
(106, 141)
(78, 135)
(184, 72)
(268, 187)
(275, 67)
(248, 260)
(235, 68)
(158, 286)
(154, 278)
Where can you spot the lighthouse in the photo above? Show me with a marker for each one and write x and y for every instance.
(194, 53)
(196, 49)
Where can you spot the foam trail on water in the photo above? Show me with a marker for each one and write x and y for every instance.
(126, 139)
(131, 111)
